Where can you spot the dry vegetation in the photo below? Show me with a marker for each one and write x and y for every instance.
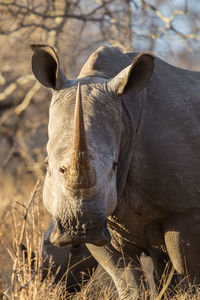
(75, 28)
(25, 224)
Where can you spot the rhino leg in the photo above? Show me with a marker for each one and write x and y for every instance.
(67, 263)
(183, 245)
(101, 275)
(99, 281)
(126, 272)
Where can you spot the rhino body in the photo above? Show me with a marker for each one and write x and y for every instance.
(124, 162)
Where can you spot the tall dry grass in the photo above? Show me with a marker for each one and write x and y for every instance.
(25, 222)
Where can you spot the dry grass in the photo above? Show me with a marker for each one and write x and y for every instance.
(20, 278)
(20, 275)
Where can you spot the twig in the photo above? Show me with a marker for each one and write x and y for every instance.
(13, 86)
(22, 106)
(25, 103)
(31, 279)
(9, 155)
(10, 252)
(13, 277)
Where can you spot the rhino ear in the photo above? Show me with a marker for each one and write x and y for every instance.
(46, 66)
(135, 77)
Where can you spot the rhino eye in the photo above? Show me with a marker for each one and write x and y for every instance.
(115, 165)
(46, 162)
(62, 169)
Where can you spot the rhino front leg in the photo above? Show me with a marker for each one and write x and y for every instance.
(125, 272)
(183, 246)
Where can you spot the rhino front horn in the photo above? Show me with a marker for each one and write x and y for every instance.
(82, 174)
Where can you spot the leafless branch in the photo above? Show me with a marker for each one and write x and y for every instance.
(168, 21)
(13, 277)
(20, 81)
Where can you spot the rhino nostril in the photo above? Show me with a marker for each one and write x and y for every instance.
(59, 225)
(77, 246)
(106, 234)
(62, 169)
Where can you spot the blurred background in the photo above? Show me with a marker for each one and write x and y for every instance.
(170, 29)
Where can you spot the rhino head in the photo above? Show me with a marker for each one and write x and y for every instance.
(85, 130)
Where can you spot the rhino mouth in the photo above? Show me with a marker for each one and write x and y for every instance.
(96, 236)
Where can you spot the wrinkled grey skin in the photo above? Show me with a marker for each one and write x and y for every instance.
(68, 264)
(151, 129)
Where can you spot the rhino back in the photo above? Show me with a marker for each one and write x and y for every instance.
(166, 159)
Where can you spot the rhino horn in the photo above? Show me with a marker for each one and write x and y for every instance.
(80, 142)
(82, 173)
